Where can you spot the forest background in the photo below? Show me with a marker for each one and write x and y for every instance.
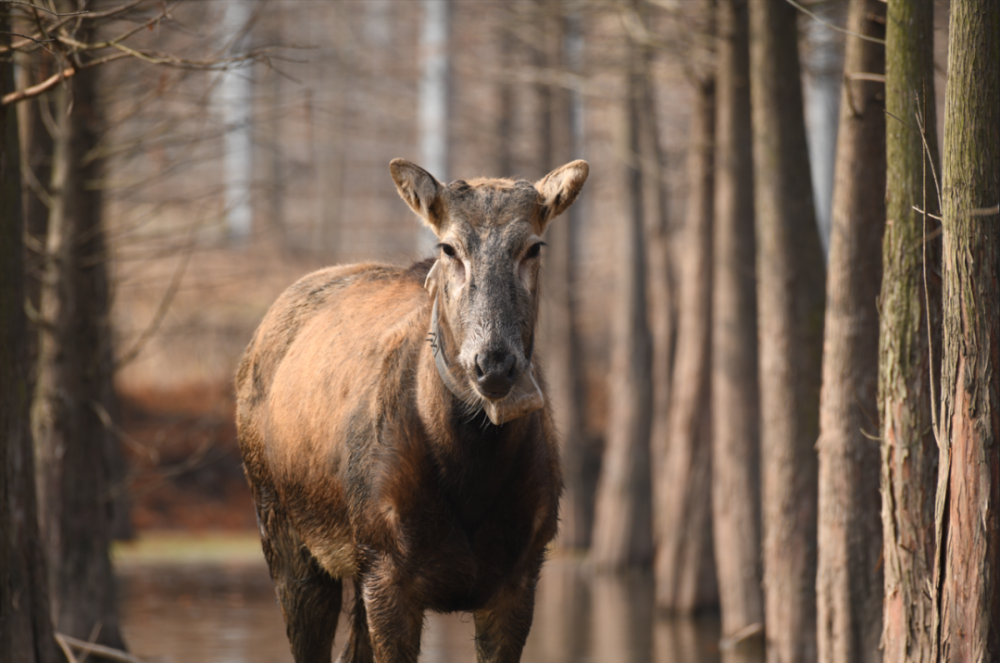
(770, 328)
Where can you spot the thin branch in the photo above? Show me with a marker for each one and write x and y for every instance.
(862, 76)
(111, 653)
(986, 211)
(47, 11)
(834, 27)
(67, 652)
(924, 212)
(55, 79)
(161, 310)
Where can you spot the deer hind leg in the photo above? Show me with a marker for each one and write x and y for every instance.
(310, 598)
(359, 644)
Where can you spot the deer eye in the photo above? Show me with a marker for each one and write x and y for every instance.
(534, 250)
(447, 249)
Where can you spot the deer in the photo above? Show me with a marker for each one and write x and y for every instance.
(395, 430)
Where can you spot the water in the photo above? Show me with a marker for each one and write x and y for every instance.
(226, 613)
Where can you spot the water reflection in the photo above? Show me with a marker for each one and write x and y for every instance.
(214, 613)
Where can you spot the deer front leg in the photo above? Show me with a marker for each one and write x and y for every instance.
(502, 625)
(395, 615)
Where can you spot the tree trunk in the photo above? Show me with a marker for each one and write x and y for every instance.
(968, 493)
(74, 384)
(236, 97)
(790, 285)
(662, 295)
(622, 534)
(909, 451)
(559, 143)
(685, 570)
(435, 81)
(849, 571)
(735, 397)
(25, 623)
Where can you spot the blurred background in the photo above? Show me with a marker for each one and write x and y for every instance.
(228, 147)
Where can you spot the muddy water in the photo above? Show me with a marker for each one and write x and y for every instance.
(227, 613)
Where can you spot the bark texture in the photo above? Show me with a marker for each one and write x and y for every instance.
(25, 624)
(790, 296)
(74, 385)
(685, 568)
(906, 345)
(968, 493)
(849, 571)
(622, 534)
(734, 401)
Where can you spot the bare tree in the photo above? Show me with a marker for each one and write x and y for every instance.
(559, 141)
(849, 577)
(909, 334)
(74, 381)
(435, 83)
(685, 567)
(622, 534)
(25, 623)
(734, 399)
(790, 285)
(967, 513)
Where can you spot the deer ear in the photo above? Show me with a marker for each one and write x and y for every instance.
(559, 189)
(420, 190)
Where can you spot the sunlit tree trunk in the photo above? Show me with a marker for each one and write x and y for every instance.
(25, 623)
(685, 567)
(435, 83)
(622, 534)
(74, 382)
(906, 345)
(235, 96)
(967, 514)
(849, 570)
(734, 400)
(790, 296)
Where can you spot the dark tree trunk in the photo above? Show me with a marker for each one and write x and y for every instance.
(685, 567)
(849, 571)
(735, 396)
(74, 384)
(909, 450)
(790, 290)
(25, 623)
(623, 520)
(967, 514)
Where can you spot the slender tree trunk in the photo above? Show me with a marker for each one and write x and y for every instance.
(661, 269)
(735, 397)
(685, 569)
(968, 494)
(558, 142)
(623, 520)
(505, 108)
(790, 285)
(906, 344)
(25, 623)
(849, 571)
(435, 83)
(74, 381)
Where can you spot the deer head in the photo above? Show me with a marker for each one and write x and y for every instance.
(485, 282)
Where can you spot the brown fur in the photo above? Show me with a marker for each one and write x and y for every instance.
(364, 466)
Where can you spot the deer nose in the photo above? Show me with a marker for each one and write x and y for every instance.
(496, 371)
